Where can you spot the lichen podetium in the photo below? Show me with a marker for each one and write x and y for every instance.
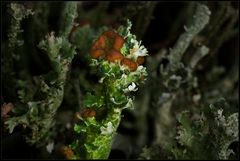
(117, 57)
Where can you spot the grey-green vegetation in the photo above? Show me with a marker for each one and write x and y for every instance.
(181, 103)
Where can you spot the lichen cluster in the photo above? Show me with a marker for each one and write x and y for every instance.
(78, 83)
(117, 57)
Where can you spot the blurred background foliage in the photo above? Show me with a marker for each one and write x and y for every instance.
(185, 110)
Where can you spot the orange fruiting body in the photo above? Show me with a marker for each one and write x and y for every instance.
(97, 53)
(102, 42)
(88, 113)
(129, 63)
(67, 152)
(108, 45)
(140, 60)
(108, 41)
(111, 34)
(114, 55)
(119, 41)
